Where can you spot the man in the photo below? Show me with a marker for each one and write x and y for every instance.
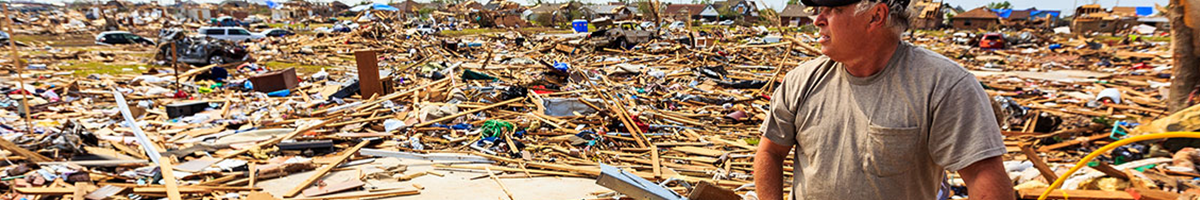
(877, 118)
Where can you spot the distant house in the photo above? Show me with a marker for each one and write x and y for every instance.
(684, 11)
(1144, 11)
(978, 18)
(614, 12)
(794, 15)
(556, 12)
(1028, 18)
(1092, 18)
(929, 15)
(746, 8)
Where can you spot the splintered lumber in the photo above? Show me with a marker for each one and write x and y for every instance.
(277, 140)
(1108, 170)
(699, 151)
(427, 123)
(333, 187)
(1074, 142)
(493, 176)
(325, 169)
(29, 155)
(389, 193)
(1038, 163)
(655, 165)
(81, 189)
(1075, 194)
(104, 192)
(168, 176)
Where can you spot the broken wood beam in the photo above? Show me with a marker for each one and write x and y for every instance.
(325, 169)
(430, 122)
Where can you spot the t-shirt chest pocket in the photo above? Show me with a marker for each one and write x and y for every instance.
(889, 151)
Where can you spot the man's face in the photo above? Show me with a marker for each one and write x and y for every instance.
(842, 31)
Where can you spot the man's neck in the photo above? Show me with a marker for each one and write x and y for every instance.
(873, 60)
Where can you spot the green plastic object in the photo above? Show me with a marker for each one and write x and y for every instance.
(493, 128)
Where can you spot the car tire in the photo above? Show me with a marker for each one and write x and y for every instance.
(216, 60)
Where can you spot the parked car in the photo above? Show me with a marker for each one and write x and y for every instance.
(275, 32)
(677, 25)
(198, 50)
(235, 34)
(228, 21)
(992, 41)
(252, 19)
(120, 37)
(962, 38)
(425, 29)
(623, 34)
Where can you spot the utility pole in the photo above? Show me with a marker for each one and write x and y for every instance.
(1187, 67)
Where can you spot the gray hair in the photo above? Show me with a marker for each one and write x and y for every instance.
(897, 14)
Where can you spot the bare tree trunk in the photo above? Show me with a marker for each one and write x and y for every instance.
(1183, 41)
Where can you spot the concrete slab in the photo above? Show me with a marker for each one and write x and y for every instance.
(455, 185)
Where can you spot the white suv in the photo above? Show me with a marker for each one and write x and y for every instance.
(236, 34)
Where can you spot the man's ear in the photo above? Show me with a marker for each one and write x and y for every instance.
(878, 14)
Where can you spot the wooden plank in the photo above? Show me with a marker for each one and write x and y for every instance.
(276, 140)
(104, 192)
(699, 151)
(80, 190)
(196, 165)
(1108, 170)
(325, 169)
(1073, 142)
(654, 162)
(333, 188)
(427, 123)
(493, 176)
(168, 176)
(369, 195)
(1038, 163)
(1151, 194)
(29, 155)
(1075, 194)
(368, 73)
(708, 191)
(45, 191)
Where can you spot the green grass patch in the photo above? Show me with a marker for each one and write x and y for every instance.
(70, 40)
(88, 68)
(527, 30)
(1105, 38)
(300, 68)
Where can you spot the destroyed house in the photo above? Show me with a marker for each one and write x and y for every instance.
(684, 11)
(978, 18)
(795, 15)
(746, 9)
(1094, 19)
(928, 15)
(615, 12)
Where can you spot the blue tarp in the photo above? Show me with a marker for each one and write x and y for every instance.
(1043, 14)
(374, 6)
(1145, 11)
(1003, 13)
(272, 5)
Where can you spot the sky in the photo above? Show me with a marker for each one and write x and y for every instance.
(1067, 6)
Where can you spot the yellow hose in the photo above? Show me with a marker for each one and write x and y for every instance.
(1083, 162)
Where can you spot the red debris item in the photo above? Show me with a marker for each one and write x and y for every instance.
(1141, 66)
(180, 94)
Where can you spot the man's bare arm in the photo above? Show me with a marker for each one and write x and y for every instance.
(985, 180)
(768, 169)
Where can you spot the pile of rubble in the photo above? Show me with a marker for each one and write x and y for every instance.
(396, 105)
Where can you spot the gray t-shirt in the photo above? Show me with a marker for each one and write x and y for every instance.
(891, 135)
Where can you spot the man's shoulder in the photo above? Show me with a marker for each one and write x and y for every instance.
(806, 69)
(932, 64)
